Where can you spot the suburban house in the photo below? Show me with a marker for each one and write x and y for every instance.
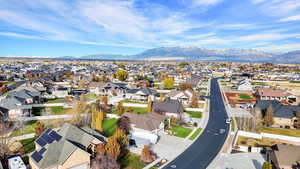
(193, 80)
(185, 97)
(145, 127)
(284, 116)
(169, 107)
(245, 85)
(141, 94)
(60, 92)
(68, 148)
(27, 94)
(284, 156)
(108, 89)
(13, 107)
(278, 94)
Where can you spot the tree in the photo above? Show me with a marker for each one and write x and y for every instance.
(124, 124)
(121, 138)
(104, 100)
(39, 128)
(185, 86)
(147, 156)
(97, 118)
(161, 97)
(100, 148)
(268, 118)
(120, 109)
(112, 148)
(169, 83)
(150, 106)
(194, 102)
(121, 75)
(173, 121)
(77, 111)
(104, 162)
(267, 165)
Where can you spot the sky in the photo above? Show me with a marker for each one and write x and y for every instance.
(86, 27)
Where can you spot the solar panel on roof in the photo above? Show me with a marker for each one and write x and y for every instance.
(41, 142)
(36, 156)
(47, 138)
(55, 135)
(48, 131)
(41, 152)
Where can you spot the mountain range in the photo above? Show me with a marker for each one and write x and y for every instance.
(198, 54)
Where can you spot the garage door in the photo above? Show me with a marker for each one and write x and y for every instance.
(82, 166)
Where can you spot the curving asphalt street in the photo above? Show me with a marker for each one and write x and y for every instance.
(200, 154)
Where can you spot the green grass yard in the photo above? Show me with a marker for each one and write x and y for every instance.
(195, 114)
(57, 100)
(58, 110)
(131, 161)
(245, 97)
(131, 101)
(28, 145)
(29, 128)
(137, 110)
(90, 96)
(195, 134)
(109, 126)
(180, 131)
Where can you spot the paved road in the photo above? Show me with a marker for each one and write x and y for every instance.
(206, 147)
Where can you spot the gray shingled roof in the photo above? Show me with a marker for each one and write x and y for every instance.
(279, 110)
(168, 105)
(13, 103)
(73, 138)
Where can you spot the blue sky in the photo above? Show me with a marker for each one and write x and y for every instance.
(83, 27)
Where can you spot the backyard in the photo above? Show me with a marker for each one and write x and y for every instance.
(58, 110)
(137, 110)
(245, 97)
(57, 100)
(28, 145)
(109, 126)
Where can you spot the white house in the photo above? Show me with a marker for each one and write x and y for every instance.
(185, 97)
(245, 85)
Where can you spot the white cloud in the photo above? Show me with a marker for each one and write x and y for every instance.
(12, 34)
(266, 37)
(206, 2)
(291, 18)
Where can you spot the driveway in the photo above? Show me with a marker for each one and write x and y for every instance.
(170, 147)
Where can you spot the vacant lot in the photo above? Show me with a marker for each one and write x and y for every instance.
(240, 97)
(247, 141)
(287, 132)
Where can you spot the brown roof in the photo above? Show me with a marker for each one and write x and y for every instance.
(150, 121)
(274, 93)
(287, 155)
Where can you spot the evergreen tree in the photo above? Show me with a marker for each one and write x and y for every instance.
(268, 118)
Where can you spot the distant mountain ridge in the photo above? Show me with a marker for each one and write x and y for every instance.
(199, 54)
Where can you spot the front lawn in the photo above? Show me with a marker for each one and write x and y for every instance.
(245, 97)
(280, 131)
(195, 134)
(180, 131)
(28, 145)
(131, 161)
(137, 110)
(58, 110)
(109, 126)
(57, 100)
(195, 114)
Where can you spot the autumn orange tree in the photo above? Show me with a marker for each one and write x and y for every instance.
(120, 109)
(104, 100)
(112, 148)
(150, 106)
(39, 128)
(147, 156)
(97, 118)
(194, 101)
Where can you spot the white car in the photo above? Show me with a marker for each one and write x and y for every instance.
(228, 121)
